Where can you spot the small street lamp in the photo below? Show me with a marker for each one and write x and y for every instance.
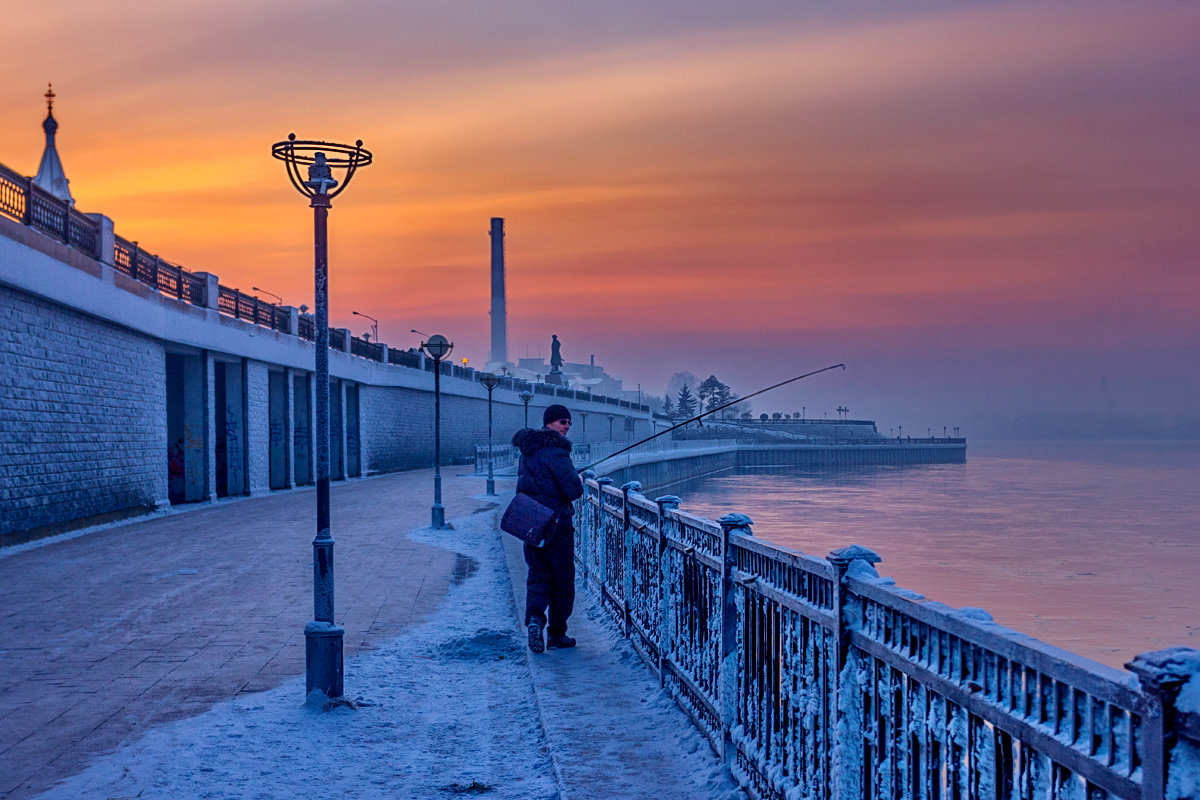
(526, 396)
(490, 382)
(438, 347)
(264, 291)
(610, 423)
(374, 323)
(323, 639)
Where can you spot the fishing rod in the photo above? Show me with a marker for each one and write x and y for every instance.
(711, 411)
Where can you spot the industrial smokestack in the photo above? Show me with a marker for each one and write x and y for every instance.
(499, 315)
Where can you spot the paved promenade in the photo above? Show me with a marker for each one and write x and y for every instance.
(116, 631)
(164, 659)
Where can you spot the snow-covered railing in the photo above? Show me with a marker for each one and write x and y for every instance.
(504, 456)
(815, 678)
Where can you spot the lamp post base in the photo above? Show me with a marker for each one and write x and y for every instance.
(491, 487)
(439, 516)
(323, 658)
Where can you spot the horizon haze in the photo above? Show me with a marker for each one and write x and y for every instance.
(987, 211)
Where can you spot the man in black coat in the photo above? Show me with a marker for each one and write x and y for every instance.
(547, 474)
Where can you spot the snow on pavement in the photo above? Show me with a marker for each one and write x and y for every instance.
(447, 709)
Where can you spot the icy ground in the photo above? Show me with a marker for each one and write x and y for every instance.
(454, 707)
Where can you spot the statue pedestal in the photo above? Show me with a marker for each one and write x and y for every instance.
(556, 379)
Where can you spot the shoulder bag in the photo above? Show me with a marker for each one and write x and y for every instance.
(528, 520)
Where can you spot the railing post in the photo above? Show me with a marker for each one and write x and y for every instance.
(665, 503)
(210, 297)
(106, 241)
(845, 615)
(1162, 674)
(730, 523)
(587, 530)
(601, 543)
(627, 555)
(27, 217)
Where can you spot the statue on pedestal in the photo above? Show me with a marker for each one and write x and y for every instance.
(556, 374)
(556, 361)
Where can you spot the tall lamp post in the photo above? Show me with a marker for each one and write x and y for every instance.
(374, 323)
(490, 382)
(438, 347)
(526, 396)
(323, 639)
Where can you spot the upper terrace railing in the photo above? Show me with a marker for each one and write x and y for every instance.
(26, 203)
(816, 679)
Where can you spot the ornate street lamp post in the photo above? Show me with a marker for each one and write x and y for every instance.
(438, 347)
(526, 396)
(323, 639)
(490, 382)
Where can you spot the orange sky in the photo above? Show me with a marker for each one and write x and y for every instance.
(982, 208)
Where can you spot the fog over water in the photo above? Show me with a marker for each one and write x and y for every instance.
(1090, 546)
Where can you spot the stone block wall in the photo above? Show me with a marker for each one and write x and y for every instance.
(83, 430)
(397, 426)
(258, 427)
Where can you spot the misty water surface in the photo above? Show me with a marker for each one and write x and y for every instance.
(1093, 547)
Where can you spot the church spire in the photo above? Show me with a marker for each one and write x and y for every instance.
(50, 175)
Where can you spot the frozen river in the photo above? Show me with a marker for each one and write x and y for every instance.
(1093, 547)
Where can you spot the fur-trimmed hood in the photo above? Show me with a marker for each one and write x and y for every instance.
(530, 441)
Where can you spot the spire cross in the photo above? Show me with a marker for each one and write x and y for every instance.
(50, 95)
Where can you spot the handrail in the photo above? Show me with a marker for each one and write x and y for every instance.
(815, 678)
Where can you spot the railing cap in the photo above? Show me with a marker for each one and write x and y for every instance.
(735, 521)
(1166, 669)
(668, 501)
(855, 552)
(631, 486)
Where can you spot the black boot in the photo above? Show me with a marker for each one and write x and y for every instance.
(559, 642)
(535, 636)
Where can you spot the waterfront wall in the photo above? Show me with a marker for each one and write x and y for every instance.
(658, 469)
(814, 678)
(64, 452)
(116, 397)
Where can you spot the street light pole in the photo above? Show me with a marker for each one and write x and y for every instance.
(438, 347)
(374, 323)
(490, 382)
(526, 396)
(264, 291)
(323, 639)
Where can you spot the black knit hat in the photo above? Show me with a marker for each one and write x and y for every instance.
(555, 413)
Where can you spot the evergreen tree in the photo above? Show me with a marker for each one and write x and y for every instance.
(668, 406)
(686, 404)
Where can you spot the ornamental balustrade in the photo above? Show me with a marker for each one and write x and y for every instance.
(816, 679)
(24, 202)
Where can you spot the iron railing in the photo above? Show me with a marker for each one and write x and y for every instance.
(21, 200)
(816, 679)
(505, 456)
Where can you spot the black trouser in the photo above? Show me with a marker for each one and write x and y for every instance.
(551, 580)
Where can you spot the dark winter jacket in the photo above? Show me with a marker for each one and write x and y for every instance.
(546, 472)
